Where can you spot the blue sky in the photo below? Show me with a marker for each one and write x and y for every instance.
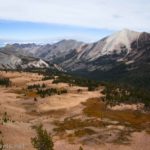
(84, 20)
(48, 32)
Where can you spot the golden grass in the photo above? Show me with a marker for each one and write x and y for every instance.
(71, 124)
(24, 92)
(16, 91)
(31, 94)
(83, 132)
(136, 119)
(96, 108)
(51, 113)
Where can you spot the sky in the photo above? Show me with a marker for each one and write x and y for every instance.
(83, 20)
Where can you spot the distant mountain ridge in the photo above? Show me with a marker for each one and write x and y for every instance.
(112, 57)
(10, 60)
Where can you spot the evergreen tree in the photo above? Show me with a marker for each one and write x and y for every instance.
(43, 140)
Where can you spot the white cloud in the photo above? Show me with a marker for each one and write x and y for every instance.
(110, 14)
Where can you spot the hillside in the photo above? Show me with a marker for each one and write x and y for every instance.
(73, 113)
(121, 57)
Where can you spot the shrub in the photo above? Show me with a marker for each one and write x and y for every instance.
(1, 145)
(36, 86)
(5, 82)
(50, 91)
(5, 117)
(43, 141)
(80, 148)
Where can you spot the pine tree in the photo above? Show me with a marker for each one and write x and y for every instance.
(43, 140)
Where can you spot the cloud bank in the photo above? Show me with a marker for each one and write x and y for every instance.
(100, 14)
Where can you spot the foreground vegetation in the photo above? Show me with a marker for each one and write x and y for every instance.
(96, 116)
(1, 145)
(1, 141)
(5, 81)
(43, 141)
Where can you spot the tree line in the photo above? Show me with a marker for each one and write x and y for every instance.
(43, 91)
(116, 94)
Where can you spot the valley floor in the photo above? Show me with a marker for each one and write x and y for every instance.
(76, 118)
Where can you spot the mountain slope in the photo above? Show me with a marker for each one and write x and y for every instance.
(116, 57)
(48, 51)
(121, 47)
(58, 51)
(14, 61)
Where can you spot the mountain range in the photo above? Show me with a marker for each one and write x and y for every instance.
(118, 56)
